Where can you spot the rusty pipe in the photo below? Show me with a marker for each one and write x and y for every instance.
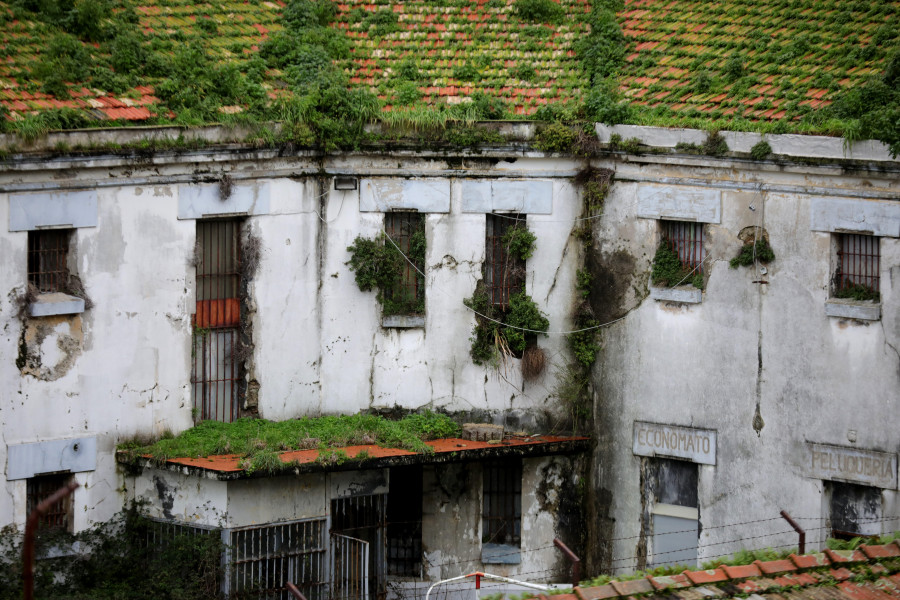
(295, 591)
(801, 542)
(576, 562)
(28, 544)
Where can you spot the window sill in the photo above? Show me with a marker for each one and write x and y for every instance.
(403, 321)
(500, 554)
(684, 294)
(48, 305)
(863, 310)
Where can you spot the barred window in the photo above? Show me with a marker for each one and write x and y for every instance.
(686, 239)
(48, 252)
(504, 273)
(215, 375)
(407, 231)
(501, 512)
(858, 264)
(38, 489)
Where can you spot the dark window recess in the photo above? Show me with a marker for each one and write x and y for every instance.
(504, 274)
(48, 260)
(404, 522)
(361, 518)
(675, 482)
(855, 510)
(216, 369)
(408, 291)
(501, 513)
(686, 239)
(38, 489)
(859, 261)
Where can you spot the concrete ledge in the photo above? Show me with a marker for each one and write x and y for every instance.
(853, 309)
(806, 146)
(500, 554)
(47, 305)
(687, 295)
(403, 321)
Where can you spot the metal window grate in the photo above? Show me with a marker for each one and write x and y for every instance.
(38, 489)
(264, 559)
(686, 239)
(504, 274)
(404, 522)
(409, 287)
(501, 513)
(215, 376)
(859, 261)
(363, 519)
(48, 260)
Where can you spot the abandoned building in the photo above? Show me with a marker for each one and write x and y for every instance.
(680, 332)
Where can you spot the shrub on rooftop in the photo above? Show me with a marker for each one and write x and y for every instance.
(539, 11)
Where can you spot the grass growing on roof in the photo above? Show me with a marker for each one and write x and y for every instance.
(250, 437)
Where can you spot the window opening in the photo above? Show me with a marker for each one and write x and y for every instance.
(48, 252)
(38, 489)
(408, 290)
(686, 239)
(216, 370)
(859, 261)
(264, 559)
(501, 513)
(361, 518)
(504, 273)
(675, 514)
(855, 510)
(404, 522)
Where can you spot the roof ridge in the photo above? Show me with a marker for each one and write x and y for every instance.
(795, 571)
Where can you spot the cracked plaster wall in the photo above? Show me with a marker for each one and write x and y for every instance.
(747, 345)
(119, 369)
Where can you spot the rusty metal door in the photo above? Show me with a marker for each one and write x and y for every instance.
(349, 568)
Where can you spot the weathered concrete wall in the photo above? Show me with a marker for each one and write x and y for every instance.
(760, 363)
(122, 368)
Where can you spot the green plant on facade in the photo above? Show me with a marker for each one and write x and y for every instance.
(760, 150)
(378, 264)
(502, 332)
(668, 270)
(759, 251)
(595, 183)
(857, 291)
(519, 241)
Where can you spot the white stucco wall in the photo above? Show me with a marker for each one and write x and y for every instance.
(815, 378)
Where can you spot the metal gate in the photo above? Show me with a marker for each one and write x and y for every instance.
(349, 568)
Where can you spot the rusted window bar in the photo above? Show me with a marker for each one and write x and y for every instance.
(686, 239)
(47, 260)
(38, 489)
(504, 274)
(502, 503)
(860, 261)
(216, 374)
(400, 226)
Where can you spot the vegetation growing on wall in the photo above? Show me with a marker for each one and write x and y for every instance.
(378, 265)
(857, 291)
(121, 563)
(760, 251)
(259, 441)
(668, 271)
(498, 332)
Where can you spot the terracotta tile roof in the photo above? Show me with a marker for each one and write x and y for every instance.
(870, 573)
(377, 456)
(799, 55)
(481, 35)
(760, 60)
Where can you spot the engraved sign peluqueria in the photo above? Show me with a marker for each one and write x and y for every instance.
(869, 467)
